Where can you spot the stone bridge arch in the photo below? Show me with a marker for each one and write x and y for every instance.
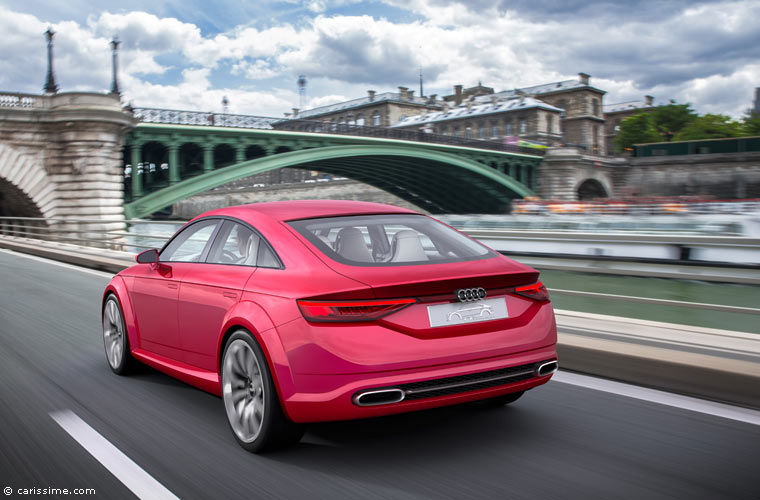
(25, 187)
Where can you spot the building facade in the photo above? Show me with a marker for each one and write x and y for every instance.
(374, 110)
(614, 114)
(505, 120)
(569, 112)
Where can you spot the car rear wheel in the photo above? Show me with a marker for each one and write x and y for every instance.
(250, 398)
(115, 338)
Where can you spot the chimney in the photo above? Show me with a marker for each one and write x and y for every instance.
(583, 77)
(432, 98)
(494, 100)
(295, 112)
(402, 91)
(410, 95)
(649, 100)
(371, 94)
(445, 106)
(457, 95)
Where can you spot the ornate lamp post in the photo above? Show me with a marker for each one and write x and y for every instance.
(114, 66)
(50, 86)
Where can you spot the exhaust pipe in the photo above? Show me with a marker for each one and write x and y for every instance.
(547, 368)
(381, 397)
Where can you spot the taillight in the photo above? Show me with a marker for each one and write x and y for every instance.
(536, 291)
(350, 310)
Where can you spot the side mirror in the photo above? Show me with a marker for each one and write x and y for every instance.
(147, 257)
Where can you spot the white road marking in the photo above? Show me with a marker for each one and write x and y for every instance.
(56, 263)
(661, 397)
(142, 484)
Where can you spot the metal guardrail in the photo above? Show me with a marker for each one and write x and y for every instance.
(658, 302)
(75, 231)
(46, 230)
(202, 118)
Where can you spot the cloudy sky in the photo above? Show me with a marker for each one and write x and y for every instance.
(188, 54)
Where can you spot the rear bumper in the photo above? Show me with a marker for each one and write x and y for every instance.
(338, 402)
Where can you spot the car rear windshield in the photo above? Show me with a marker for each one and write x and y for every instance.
(389, 240)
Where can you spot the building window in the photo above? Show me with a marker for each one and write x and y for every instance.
(494, 129)
(456, 131)
(508, 129)
(376, 119)
(549, 123)
(351, 120)
(523, 126)
(482, 131)
(595, 103)
(468, 131)
(360, 120)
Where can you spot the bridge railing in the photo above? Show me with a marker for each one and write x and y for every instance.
(21, 100)
(142, 234)
(202, 118)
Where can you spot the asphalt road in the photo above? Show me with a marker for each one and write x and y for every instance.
(559, 441)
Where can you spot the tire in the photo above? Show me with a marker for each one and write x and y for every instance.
(115, 340)
(250, 398)
(500, 401)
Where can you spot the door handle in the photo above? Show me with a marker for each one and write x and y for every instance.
(173, 286)
(231, 295)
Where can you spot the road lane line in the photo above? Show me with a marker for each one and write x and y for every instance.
(59, 264)
(142, 484)
(661, 397)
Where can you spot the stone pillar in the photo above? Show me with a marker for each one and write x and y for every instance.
(173, 164)
(558, 173)
(239, 152)
(137, 183)
(208, 157)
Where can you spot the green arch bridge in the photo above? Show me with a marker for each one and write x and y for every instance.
(176, 161)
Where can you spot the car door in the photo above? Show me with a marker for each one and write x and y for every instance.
(156, 288)
(209, 290)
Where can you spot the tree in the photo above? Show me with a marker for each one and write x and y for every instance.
(710, 127)
(671, 118)
(636, 129)
(751, 123)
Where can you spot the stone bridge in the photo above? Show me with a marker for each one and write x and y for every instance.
(61, 157)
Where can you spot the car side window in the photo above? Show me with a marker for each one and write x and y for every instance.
(190, 243)
(267, 257)
(235, 244)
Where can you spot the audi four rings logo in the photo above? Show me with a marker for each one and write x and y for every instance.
(470, 294)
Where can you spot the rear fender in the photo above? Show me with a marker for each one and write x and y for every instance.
(118, 287)
(254, 318)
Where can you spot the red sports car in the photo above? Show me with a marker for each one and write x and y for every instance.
(309, 311)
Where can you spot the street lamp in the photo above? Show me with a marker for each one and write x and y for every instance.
(225, 104)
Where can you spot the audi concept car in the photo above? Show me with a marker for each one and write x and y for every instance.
(309, 311)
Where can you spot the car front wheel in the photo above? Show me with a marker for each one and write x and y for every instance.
(115, 338)
(250, 398)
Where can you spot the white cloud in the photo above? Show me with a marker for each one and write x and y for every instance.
(702, 54)
(259, 69)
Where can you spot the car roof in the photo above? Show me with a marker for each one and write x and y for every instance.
(306, 209)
